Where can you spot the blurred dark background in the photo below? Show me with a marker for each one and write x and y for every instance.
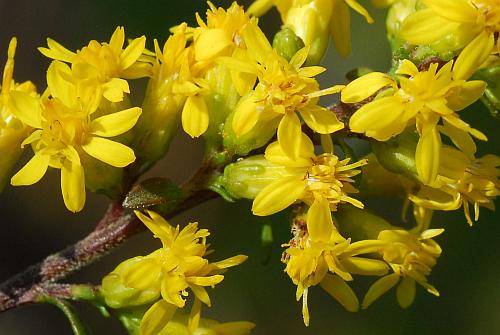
(34, 222)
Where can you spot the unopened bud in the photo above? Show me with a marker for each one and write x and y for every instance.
(287, 43)
(248, 176)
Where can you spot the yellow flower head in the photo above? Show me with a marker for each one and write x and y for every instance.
(103, 67)
(422, 98)
(412, 258)
(171, 270)
(314, 20)
(221, 34)
(321, 181)
(284, 88)
(475, 25)
(64, 130)
(462, 181)
(318, 254)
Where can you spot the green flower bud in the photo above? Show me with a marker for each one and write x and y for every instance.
(360, 224)
(287, 43)
(160, 118)
(221, 101)
(248, 176)
(398, 154)
(255, 138)
(117, 295)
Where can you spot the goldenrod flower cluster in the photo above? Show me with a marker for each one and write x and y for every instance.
(257, 106)
(162, 278)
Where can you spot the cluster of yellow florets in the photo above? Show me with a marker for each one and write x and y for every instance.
(224, 80)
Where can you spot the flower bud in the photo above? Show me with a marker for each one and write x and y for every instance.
(160, 119)
(248, 176)
(221, 101)
(398, 154)
(117, 295)
(287, 43)
(255, 138)
(359, 224)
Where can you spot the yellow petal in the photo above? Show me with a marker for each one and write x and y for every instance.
(229, 262)
(365, 266)
(299, 58)
(275, 154)
(117, 39)
(278, 195)
(58, 84)
(466, 94)
(33, 171)
(378, 288)
(132, 52)
(26, 108)
(110, 152)
(407, 67)
(157, 317)
(431, 233)
(143, 274)
(454, 10)
(365, 86)
(290, 135)
(341, 29)
(473, 55)
(311, 71)
(360, 9)
(319, 221)
(57, 51)
(460, 138)
(260, 7)
(377, 118)
(205, 281)
(405, 292)
(194, 316)
(201, 293)
(339, 290)
(425, 27)
(257, 44)
(73, 185)
(455, 121)
(195, 116)
(116, 123)
(245, 115)
(113, 90)
(427, 154)
(321, 119)
(210, 43)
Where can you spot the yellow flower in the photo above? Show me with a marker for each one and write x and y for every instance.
(422, 98)
(314, 20)
(101, 67)
(171, 270)
(475, 24)
(321, 181)
(412, 258)
(64, 130)
(221, 34)
(12, 130)
(462, 181)
(284, 88)
(322, 256)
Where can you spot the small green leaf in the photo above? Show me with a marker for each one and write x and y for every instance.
(159, 193)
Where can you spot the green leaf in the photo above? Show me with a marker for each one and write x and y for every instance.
(158, 194)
